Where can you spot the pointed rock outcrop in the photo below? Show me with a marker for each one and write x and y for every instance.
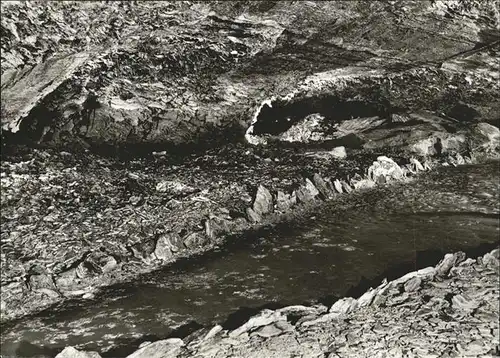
(263, 203)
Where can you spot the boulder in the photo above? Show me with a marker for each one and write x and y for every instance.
(70, 352)
(338, 186)
(285, 201)
(167, 348)
(264, 318)
(253, 217)
(162, 249)
(344, 306)
(195, 240)
(307, 193)
(273, 329)
(263, 203)
(338, 153)
(29, 87)
(305, 131)
(449, 260)
(101, 262)
(385, 167)
(485, 137)
(322, 186)
(413, 284)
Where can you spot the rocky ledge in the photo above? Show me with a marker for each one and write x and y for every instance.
(450, 310)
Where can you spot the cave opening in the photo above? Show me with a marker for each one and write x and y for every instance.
(281, 115)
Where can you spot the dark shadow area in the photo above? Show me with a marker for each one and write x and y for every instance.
(423, 259)
(127, 346)
(236, 319)
(282, 115)
(27, 349)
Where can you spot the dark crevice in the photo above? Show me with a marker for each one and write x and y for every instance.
(423, 259)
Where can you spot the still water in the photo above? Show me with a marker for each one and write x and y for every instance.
(357, 238)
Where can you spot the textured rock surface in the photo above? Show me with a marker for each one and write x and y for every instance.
(160, 72)
(177, 72)
(433, 317)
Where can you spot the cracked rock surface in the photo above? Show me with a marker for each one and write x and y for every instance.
(189, 71)
(427, 313)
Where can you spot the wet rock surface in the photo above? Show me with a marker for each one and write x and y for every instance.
(73, 222)
(339, 96)
(420, 314)
(433, 316)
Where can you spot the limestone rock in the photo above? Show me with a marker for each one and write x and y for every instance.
(285, 201)
(448, 262)
(322, 186)
(262, 319)
(168, 348)
(253, 217)
(263, 203)
(338, 152)
(195, 240)
(418, 166)
(344, 306)
(70, 352)
(338, 186)
(386, 168)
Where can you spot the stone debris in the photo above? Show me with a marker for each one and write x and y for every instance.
(338, 186)
(168, 348)
(322, 186)
(264, 318)
(338, 152)
(263, 203)
(71, 352)
(418, 321)
(285, 202)
(384, 170)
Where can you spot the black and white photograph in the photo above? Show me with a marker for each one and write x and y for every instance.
(250, 179)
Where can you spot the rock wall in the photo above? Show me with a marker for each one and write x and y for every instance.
(190, 71)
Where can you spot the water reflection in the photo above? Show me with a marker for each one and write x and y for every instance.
(355, 238)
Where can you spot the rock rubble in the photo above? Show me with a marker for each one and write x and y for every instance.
(448, 310)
